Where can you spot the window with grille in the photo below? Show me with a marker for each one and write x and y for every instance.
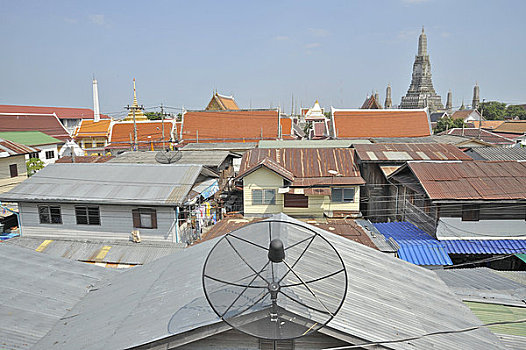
(87, 215)
(342, 195)
(50, 154)
(49, 214)
(144, 218)
(263, 197)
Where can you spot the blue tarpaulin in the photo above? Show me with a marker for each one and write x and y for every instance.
(416, 246)
(485, 246)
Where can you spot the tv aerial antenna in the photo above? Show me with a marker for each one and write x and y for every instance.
(168, 157)
(275, 280)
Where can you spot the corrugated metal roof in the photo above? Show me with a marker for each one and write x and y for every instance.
(29, 138)
(309, 164)
(116, 252)
(47, 123)
(387, 298)
(497, 313)
(37, 291)
(14, 148)
(416, 246)
(484, 284)
(484, 246)
(213, 146)
(389, 152)
(209, 158)
(512, 126)
(311, 143)
(499, 153)
(472, 180)
(484, 135)
(379, 240)
(145, 184)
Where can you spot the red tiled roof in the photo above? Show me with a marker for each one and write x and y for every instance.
(472, 180)
(88, 128)
(382, 152)
(120, 134)
(227, 101)
(46, 123)
(381, 123)
(463, 114)
(310, 166)
(85, 159)
(61, 112)
(14, 148)
(231, 126)
(486, 136)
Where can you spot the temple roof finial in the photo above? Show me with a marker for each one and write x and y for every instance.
(422, 29)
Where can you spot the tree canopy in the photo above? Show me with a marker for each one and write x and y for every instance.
(448, 123)
(33, 165)
(494, 110)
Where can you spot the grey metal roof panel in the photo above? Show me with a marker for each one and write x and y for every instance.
(120, 252)
(384, 245)
(108, 183)
(500, 153)
(37, 290)
(483, 284)
(387, 299)
(209, 158)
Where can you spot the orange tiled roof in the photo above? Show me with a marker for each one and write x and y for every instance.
(61, 112)
(356, 123)
(88, 128)
(232, 126)
(120, 133)
(227, 101)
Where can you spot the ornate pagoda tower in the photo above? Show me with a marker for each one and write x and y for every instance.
(421, 93)
(139, 115)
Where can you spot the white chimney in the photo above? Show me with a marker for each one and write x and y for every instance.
(96, 111)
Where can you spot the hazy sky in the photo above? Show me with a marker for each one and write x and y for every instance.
(260, 51)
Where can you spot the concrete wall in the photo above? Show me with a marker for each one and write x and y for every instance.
(116, 223)
(318, 205)
(42, 154)
(454, 228)
(6, 181)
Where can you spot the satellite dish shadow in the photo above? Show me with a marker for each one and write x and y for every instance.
(192, 314)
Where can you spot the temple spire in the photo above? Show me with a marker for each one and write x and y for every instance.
(476, 97)
(96, 109)
(422, 44)
(139, 115)
(449, 102)
(388, 102)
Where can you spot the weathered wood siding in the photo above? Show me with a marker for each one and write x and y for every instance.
(116, 223)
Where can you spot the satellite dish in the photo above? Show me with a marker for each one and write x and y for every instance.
(275, 280)
(168, 157)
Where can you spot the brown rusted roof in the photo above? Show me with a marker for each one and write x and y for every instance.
(463, 114)
(472, 180)
(61, 112)
(512, 126)
(367, 123)
(399, 152)
(484, 135)
(85, 159)
(271, 165)
(49, 124)
(310, 166)
(343, 227)
(346, 228)
(15, 149)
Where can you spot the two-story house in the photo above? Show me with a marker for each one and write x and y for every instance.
(302, 182)
(13, 163)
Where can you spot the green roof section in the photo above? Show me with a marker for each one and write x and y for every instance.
(29, 138)
(521, 256)
(489, 313)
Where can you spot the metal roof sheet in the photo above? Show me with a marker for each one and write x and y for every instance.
(229, 146)
(310, 143)
(387, 298)
(472, 180)
(37, 291)
(15, 148)
(209, 158)
(496, 153)
(488, 312)
(484, 246)
(416, 246)
(389, 152)
(108, 183)
(116, 252)
(29, 138)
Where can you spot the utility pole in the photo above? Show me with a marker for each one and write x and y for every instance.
(134, 109)
(162, 121)
(481, 116)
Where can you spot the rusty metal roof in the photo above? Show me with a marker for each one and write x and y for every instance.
(399, 152)
(14, 148)
(476, 180)
(309, 166)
